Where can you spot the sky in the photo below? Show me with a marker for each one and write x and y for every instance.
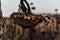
(42, 6)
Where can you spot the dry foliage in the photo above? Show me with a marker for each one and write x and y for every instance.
(40, 32)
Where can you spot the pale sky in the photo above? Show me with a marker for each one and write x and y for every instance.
(42, 6)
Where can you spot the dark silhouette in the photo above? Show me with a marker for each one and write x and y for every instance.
(24, 7)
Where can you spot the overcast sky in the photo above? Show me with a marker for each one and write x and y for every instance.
(42, 6)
